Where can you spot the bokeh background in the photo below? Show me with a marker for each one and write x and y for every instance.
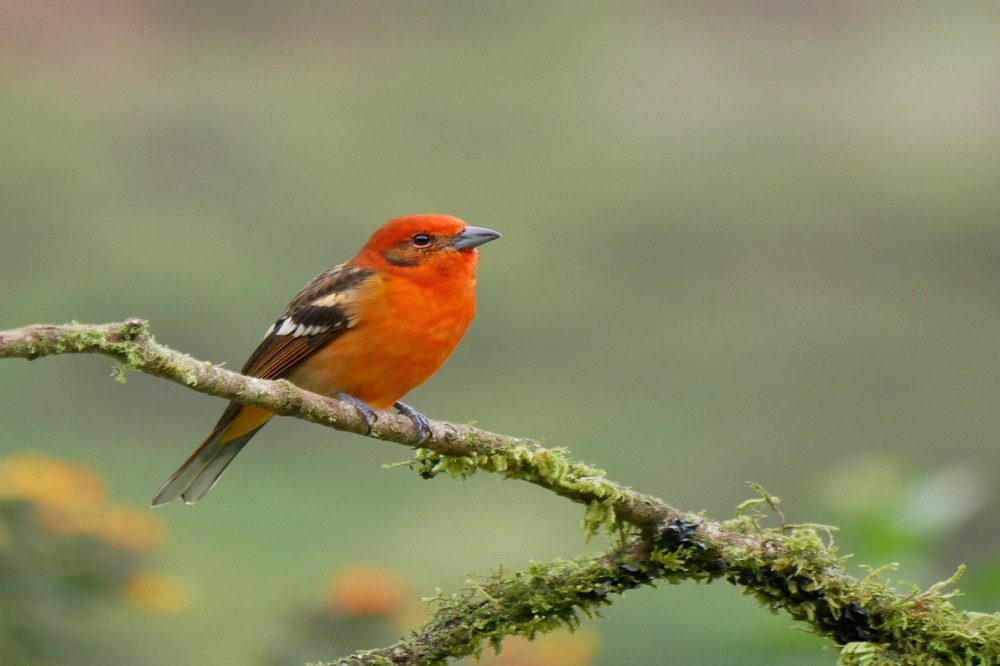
(742, 241)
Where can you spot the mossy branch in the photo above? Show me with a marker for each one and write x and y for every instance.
(788, 568)
(541, 598)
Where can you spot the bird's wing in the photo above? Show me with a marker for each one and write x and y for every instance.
(322, 311)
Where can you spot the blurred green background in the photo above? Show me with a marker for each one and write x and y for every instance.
(742, 241)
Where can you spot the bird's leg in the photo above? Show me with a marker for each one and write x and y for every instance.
(367, 414)
(421, 422)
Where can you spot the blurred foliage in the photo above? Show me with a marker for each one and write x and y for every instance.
(894, 515)
(742, 241)
(64, 548)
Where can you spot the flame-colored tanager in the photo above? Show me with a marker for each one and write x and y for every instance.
(367, 331)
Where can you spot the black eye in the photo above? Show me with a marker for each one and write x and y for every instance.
(421, 240)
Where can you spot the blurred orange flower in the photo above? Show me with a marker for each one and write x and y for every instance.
(556, 649)
(158, 593)
(366, 591)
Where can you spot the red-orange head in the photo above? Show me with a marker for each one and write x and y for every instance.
(438, 246)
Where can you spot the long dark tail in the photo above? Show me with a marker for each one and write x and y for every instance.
(204, 467)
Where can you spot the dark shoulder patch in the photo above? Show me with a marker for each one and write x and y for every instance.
(317, 315)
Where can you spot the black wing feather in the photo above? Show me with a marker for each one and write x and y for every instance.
(282, 349)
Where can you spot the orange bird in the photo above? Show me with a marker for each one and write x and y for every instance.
(367, 331)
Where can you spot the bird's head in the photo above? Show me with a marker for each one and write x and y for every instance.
(415, 245)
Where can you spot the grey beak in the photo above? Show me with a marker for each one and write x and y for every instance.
(473, 237)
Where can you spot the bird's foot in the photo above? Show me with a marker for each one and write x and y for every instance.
(367, 414)
(420, 422)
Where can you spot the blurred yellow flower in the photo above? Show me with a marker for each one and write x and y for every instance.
(367, 591)
(158, 593)
(66, 520)
(131, 529)
(71, 499)
(67, 496)
(50, 482)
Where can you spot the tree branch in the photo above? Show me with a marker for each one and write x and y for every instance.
(788, 568)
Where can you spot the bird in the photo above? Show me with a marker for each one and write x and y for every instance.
(367, 331)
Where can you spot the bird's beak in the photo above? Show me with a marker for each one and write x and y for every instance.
(473, 237)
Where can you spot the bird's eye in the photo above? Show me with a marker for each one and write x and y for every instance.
(421, 240)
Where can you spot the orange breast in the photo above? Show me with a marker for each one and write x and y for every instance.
(404, 332)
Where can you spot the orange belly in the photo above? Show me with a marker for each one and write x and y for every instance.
(393, 348)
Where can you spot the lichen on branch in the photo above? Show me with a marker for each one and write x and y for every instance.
(788, 568)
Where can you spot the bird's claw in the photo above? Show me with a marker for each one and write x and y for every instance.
(420, 422)
(367, 414)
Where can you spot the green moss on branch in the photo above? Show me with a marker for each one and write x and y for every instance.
(789, 568)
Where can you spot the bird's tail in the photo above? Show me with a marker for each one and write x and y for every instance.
(200, 471)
